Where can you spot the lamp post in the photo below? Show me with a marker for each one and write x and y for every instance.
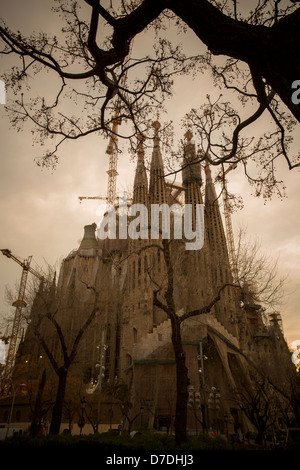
(226, 419)
(194, 403)
(214, 404)
(201, 358)
(102, 348)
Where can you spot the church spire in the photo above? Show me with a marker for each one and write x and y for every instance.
(191, 169)
(157, 188)
(214, 231)
(210, 192)
(191, 175)
(140, 188)
(213, 221)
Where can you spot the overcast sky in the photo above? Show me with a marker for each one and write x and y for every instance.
(41, 214)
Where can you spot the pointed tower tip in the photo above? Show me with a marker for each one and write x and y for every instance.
(157, 190)
(156, 125)
(207, 169)
(141, 138)
(191, 171)
(140, 185)
(188, 135)
(156, 161)
(141, 152)
(140, 178)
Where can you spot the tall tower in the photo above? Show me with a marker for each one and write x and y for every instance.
(157, 187)
(140, 186)
(191, 174)
(220, 268)
(213, 222)
(112, 151)
(198, 276)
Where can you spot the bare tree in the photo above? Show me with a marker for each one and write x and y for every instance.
(46, 327)
(39, 409)
(252, 266)
(255, 400)
(164, 299)
(72, 406)
(224, 136)
(120, 395)
(257, 273)
(252, 52)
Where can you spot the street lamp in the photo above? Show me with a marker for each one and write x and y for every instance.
(82, 421)
(194, 403)
(102, 347)
(201, 357)
(214, 403)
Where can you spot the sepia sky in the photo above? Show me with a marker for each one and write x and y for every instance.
(42, 216)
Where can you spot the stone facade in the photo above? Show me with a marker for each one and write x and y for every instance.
(125, 273)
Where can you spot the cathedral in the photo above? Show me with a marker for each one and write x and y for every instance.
(123, 282)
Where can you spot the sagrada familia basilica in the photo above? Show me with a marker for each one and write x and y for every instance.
(119, 280)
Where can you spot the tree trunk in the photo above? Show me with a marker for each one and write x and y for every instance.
(36, 419)
(260, 436)
(181, 384)
(296, 409)
(59, 401)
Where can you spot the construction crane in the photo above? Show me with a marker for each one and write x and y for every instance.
(92, 197)
(113, 162)
(19, 304)
(228, 223)
(112, 151)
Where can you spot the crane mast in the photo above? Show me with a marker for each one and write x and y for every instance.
(112, 151)
(19, 304)
(112, 166)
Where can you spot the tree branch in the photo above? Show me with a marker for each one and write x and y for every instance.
(101, 11)
(207, 308)
(43, 58)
